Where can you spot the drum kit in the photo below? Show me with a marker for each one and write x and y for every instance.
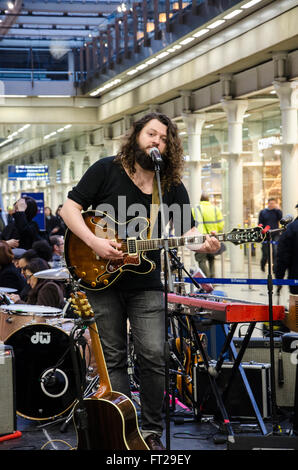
(40, 337)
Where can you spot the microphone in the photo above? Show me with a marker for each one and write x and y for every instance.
(155, 155)
(50, 379)
(286, 220)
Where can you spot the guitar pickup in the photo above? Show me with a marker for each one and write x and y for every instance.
(132, 246)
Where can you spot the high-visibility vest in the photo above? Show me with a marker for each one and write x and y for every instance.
(208, 217)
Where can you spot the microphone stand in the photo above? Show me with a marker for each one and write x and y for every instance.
(268, 239)
(80, 413)
(168, 287)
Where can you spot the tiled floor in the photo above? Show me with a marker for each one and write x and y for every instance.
(188, 436)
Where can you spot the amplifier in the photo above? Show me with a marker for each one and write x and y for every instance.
(7, 391)
(258, 350)
(237, 404)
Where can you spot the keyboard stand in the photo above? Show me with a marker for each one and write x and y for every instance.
(221, 398)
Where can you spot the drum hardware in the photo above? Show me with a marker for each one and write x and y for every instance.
(51, 378)
(44, 351)
(90, 389)
(43, 370)
(7, 290)
(4, 299)
(80, 412)
(58, 274)
(38, 310)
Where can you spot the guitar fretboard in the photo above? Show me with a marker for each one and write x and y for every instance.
(158, 243)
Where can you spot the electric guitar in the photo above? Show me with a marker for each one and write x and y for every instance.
(111, 416)
(95, 273)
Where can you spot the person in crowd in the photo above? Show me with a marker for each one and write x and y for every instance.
(23, 261)
(50, 220)
(42, 291)
(2, 223)
(10, 276)
(23, 228)
(43, 250)
(270, 217)
(287, 254)
(57, 244)
(209, 219)
(60, 227)
(131, 176)
(10, 212)
(17, 254)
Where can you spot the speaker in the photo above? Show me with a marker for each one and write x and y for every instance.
(7, 391)
(258, 350)
(237, 402)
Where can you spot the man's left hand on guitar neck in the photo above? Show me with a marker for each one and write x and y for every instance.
(210, 245)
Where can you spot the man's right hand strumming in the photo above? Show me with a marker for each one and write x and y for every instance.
(106, 248)
(71, 213)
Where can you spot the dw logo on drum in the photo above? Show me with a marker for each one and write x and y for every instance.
(41, 337)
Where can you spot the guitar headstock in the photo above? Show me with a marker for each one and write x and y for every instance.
(245, 235)
(81, 306)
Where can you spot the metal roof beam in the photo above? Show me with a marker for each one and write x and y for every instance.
(102, 7)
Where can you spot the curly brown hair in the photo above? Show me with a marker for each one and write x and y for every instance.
(171, 173)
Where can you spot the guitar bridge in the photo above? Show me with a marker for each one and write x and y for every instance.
(132, 246)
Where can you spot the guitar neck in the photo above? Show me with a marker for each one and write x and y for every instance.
(105, 384)
(157, 243)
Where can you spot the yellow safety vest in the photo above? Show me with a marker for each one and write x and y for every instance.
(208, 217)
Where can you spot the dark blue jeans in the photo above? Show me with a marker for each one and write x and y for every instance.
(145, 311)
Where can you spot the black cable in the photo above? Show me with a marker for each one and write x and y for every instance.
(189, 435)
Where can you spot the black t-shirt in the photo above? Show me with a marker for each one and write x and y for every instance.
(106, 186)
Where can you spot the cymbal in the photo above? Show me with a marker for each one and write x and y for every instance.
(54, 273)
(7, 290)
(26, 308)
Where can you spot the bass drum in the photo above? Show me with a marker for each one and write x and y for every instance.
(11, 321)
(45, 381)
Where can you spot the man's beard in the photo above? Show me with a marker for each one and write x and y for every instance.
(145, 161)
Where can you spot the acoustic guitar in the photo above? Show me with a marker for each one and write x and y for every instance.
(111, 416)
(95, 273)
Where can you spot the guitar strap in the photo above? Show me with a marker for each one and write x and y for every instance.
(154, 207)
